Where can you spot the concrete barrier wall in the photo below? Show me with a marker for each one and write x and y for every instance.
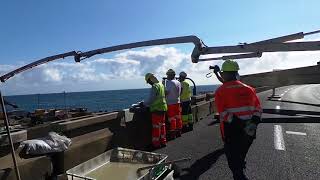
(83, 148)
(38, 168)
(202, 109)
(78, 127)
(16, 136)
(71, 125)
(39, 131)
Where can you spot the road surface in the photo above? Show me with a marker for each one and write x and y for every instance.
(280, 151)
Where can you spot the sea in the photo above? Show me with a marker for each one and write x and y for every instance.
(94, 101)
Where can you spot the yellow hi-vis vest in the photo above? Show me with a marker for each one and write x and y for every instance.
(186, 92)
(159, 104)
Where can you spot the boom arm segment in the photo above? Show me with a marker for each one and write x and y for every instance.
(237, 56)
(268, 47)
(36, 63)
(256, 49)
(199, 45)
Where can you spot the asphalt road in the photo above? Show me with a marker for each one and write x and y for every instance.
(280, 151)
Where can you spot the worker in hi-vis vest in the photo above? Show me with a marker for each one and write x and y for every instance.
(173, 91)
(158, 108)
(185, 99)
(240, 112)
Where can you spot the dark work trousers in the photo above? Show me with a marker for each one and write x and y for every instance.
(187, 118)
(237, 144)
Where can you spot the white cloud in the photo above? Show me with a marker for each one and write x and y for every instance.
(126, 70)
(52, 74)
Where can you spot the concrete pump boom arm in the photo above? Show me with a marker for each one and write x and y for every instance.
(199, 45)
(256, 49)
(250, 50)
(270, 47)
(79, 56)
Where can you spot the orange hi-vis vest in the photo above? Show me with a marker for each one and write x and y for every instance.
(235, 98)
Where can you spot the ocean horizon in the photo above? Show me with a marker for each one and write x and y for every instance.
(101, 100)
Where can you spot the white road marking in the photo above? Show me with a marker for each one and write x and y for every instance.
(278, 138)
(285, 92)
(296, 133)
(277, 107)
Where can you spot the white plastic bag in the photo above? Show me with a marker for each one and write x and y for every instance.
(49, 144)
(57, 142)
(35, 147)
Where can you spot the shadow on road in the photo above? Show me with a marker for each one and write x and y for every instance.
(201, 165)
(214, 122)
(295, 102)
(296, 116)
(290, 112)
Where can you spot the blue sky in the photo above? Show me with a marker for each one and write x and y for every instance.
(35, 29)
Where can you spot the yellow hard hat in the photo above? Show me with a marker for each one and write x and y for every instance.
(147, 76)
(183, 74)
(151, 77)
(171, 72)
(230, 65)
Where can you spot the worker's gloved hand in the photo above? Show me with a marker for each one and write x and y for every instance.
(251, 129)
(256, 119)
(141, 104)
(216, 69)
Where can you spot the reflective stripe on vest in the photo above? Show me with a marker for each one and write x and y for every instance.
(156, 126)
(244, 113)
(186, 93)
(159, 104)
(155, 139)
